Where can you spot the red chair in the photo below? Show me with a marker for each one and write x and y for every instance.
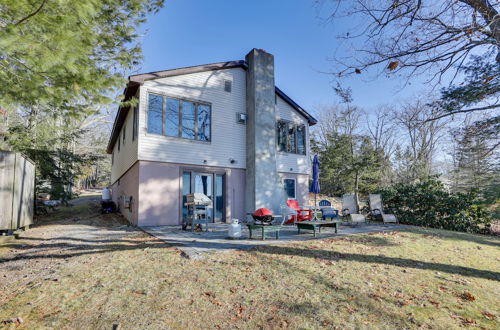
(302, 214)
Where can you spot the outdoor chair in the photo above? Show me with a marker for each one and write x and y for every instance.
(377, 210)
(350, 209)
(327, 211)
(300, 214)
(324, 202)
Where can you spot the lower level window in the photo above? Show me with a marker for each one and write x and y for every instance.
(289, 188)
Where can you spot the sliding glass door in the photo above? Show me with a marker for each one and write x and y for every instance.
(209, 184)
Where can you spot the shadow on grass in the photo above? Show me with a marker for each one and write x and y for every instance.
(384, 260)
(456, 236)
(370, 240)
(82, 247)
(338, 300)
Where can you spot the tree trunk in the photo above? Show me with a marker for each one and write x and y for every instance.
(356, 189)
(491, 16)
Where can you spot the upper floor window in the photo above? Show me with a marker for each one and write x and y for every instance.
(155, 113)
(291, 137)
(180, 118)
(227, 86)
(134, 124)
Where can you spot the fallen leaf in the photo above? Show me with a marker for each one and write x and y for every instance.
(489, 316)
(466, 321)
(442, 289)
(467, 296)
(240, 310)
(351, 309)
(402, 303)
(284, 324)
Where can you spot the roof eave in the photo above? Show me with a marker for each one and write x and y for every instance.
(128, 93)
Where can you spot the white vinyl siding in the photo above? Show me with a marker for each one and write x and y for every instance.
(228, 138)
(127, 156)
(286, 161)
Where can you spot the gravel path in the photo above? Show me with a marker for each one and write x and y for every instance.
(59, 239)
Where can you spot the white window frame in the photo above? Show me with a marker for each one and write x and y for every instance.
(294, 188)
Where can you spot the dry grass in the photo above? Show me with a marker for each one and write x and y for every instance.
(420, 278)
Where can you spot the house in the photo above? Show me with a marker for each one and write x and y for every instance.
(221, 129)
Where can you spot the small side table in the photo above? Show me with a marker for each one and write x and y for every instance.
(315, 226)
(265, 229)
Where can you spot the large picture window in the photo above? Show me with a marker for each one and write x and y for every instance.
(155, 114)
(291, 137)
(179, 118)
(172, 120)
(301, 139)
(188, 120)
(282, 133)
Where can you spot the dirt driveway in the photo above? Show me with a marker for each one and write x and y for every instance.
(59, 239)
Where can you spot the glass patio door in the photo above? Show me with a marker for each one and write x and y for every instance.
(209, 184)
(203, 183)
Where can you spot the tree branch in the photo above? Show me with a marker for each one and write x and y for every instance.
(451, 113)
(32, 14)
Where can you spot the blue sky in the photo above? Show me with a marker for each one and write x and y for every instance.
(192, 32)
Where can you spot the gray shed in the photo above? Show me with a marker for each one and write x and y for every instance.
(17, 191)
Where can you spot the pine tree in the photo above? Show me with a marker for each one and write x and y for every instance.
(67, 55)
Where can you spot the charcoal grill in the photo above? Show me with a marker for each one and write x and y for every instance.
(263, 216)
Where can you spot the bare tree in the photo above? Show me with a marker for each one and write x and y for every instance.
(422, 137)
(382, 129)
(328, 123)
(419, 34)
(426, 37)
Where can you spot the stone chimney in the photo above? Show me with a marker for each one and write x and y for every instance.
(263, 186)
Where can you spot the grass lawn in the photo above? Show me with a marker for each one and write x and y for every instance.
(417, 278)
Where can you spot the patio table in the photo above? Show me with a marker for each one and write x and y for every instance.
(265, 229)
(316, 225)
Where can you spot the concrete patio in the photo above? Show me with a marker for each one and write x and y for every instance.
(196, 244)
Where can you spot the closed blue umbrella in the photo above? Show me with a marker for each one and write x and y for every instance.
(315, 181)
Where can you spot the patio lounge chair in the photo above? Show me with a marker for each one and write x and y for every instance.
(350, 209)
(327, 211)
(377, 209)
(300, 214)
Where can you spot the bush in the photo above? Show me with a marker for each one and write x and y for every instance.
(429, 204)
